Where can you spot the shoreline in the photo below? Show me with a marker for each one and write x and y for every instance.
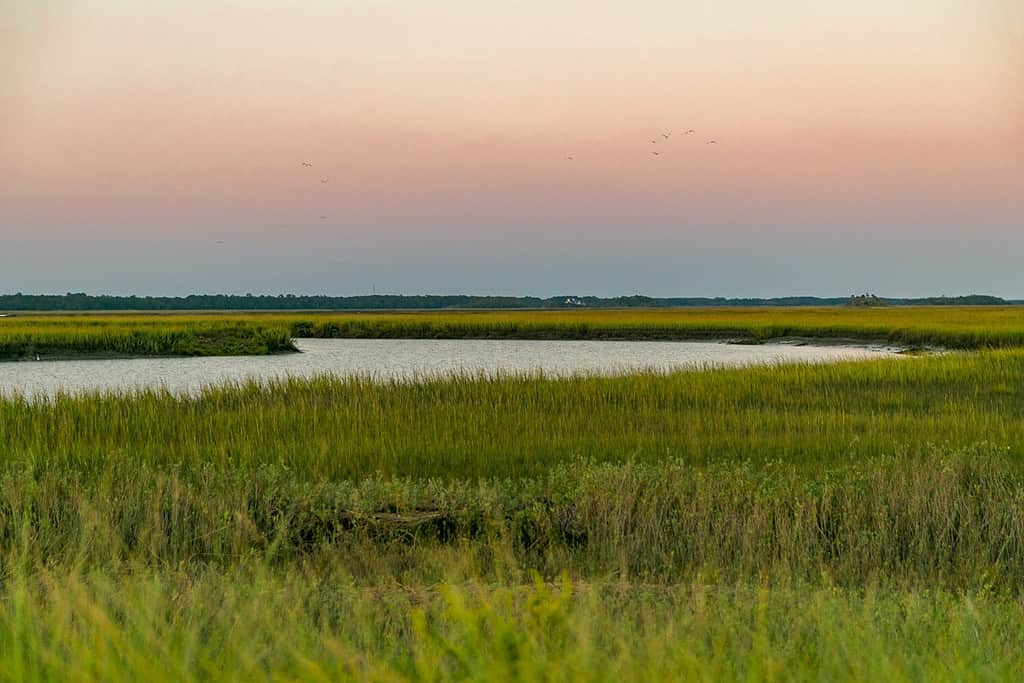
(832, 342)
(103, 355)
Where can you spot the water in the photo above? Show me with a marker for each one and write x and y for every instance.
(407, 359)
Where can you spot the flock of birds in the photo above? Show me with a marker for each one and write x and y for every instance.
(323, 180)
(654, 141)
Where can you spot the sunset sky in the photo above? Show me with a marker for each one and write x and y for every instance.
(869, 145)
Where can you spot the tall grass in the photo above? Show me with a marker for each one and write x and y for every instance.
(849, 521)
(252, 625)
(935, 519)
(897, 568)
(851, 466)
(956, 327)
(87, 336)
(944, 326)
(816, 415)
(950, 327)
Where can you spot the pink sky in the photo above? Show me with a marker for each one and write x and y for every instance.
(133, 136)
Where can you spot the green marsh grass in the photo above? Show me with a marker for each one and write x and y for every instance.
(254, 333)
(949, 327)
(951, 520)
(516, 426)
(55, 337)
(904, 469)
(860, 520)
(906, 567)
(253, 625)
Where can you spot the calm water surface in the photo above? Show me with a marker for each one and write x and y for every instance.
(407, 359)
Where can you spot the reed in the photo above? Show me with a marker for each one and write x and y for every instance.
(955, 327)
(936, 519)
(62, 337)
(894, 569)
(857, 520)
(253, 625)
(949, 327)
(519, 426)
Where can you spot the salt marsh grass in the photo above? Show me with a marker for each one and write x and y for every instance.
(252, 625)
(959, 327)
(511, 426)
(860, 520)
(55, 337)
(950, 327)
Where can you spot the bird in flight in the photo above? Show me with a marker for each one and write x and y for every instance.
(654, 141)
(712, 142)
(323, 218)
(220, 241)
(666, 135)
(691, 131)
(323, 180)
(570, 158)
(657, 154)
(307, 164)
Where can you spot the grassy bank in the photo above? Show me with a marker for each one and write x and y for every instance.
(908, 568)
(253, 625)
(52, 337)
(329, 428)
(938, 519)
(949, 327)
(850, 521)
(253, 333)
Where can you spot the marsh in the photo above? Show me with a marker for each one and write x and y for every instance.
(411, 358)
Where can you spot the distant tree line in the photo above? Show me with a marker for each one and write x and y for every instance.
(80, 301)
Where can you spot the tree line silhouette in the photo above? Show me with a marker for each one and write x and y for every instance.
(80, 301)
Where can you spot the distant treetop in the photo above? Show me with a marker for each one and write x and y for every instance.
(80, 301)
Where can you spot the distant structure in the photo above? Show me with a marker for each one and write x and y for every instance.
(574, 301)
(865, 300)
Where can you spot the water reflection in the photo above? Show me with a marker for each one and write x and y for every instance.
(406, 359)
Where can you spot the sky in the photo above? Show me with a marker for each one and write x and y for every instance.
(157, 147)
